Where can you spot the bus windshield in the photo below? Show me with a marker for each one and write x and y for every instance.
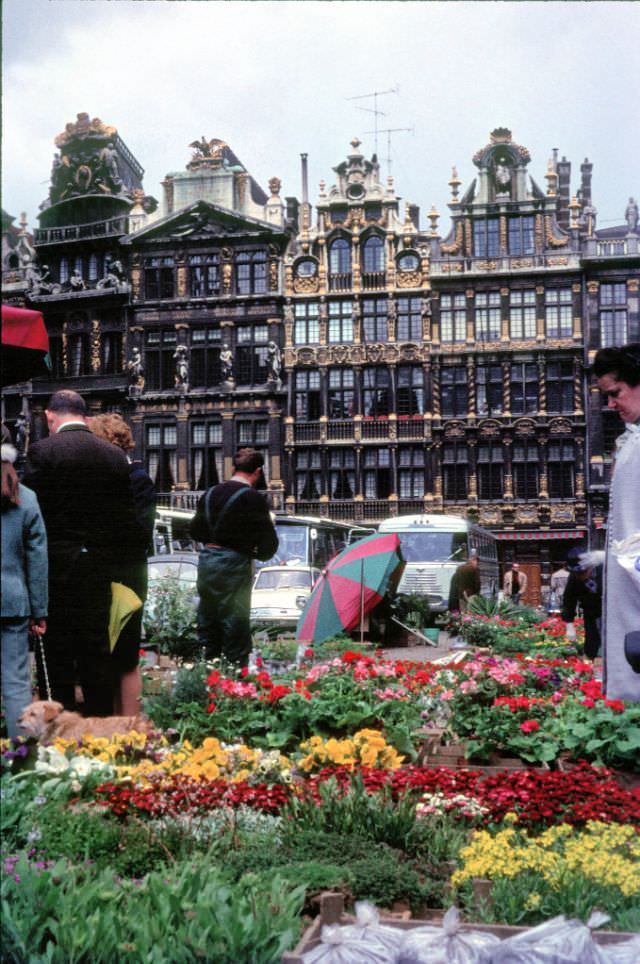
(433, 546)
(292, 545)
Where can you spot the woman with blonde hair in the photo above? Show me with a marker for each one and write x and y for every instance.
(126, 656)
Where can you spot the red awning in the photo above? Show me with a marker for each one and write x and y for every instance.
(25, 345)
(535, 535)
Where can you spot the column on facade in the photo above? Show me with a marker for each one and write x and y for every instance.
(633, 308)
(506, 387)
(471, 335)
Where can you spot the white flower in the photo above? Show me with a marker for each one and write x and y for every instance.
(51, 760)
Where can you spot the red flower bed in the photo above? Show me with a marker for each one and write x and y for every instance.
(182, 795)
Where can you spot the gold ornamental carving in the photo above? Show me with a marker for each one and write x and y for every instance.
(539, 232)
(323, 356)
(409, 351)
(84, 127)
(550, 238)
(562, 513)
(227, 271)
(522, 263)
(306, 356)
(454, 430)
(633, 285)
(526, 515)
(181, 281)
(487, 265)
(409, 279)
(455, 247)
(560, 426)
(95, 345)
(288, 431)
(468, 237)
(489, 428)
(356, 355)
(556, 262)
(524, 427)
(65, 348)
(457, 266)
(273, 274)
(339, 354)
(135, 283)
(306, 286)
(592, 287)
(490, 516)
(503, 234)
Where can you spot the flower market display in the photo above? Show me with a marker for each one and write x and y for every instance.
(212, 838)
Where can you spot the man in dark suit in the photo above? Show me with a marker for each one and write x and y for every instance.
(82, 484)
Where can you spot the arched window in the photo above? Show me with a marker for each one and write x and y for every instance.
(340, 265)
(373, 251)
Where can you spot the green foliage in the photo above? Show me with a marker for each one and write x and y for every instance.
(188, 912)
(489, 606)
(170, 622)
(412, 609)
(184, 706)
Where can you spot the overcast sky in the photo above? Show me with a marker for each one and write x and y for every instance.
(273, 79)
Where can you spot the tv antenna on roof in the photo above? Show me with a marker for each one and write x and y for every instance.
(374, 110)
(389, 131)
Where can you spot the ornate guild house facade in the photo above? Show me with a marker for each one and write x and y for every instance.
(382, 368)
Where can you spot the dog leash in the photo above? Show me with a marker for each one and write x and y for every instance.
(44, 664)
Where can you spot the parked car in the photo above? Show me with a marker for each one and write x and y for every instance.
(280, 594)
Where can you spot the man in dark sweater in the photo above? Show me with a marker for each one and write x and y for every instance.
(233, 522)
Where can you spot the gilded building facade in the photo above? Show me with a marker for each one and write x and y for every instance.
(382, 367)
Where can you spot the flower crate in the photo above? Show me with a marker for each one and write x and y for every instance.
(332, 912)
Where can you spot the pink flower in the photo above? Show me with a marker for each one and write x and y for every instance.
(446, 695)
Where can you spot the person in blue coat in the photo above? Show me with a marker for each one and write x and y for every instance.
(24, 586)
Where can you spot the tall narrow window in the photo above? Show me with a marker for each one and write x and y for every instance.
(254, 433)
(455, 471)
(111, 352)
(204, 275)
(524, 388)
(521, 236)
(561, 470)
(560, 377)
(376, 394)
(308, 473)
(307, 395)
(558, 312)
(454, 394)
(159, 363)
(377, 473)
(158, 278)
(342, 473)
(374, 320)
(453, 317)
(340, 321)
(409, 319)
(205, 369)
(489, 389)
(410, 391)
(207, 467)
(79, 354)
(614, 327)
(251, 272)
(162, 458)
(63, 273)
(522, 313)
(307, 329)
(340, 265)
(251, 354)
(341, 393)
(486, 238)
(373, 263)
(490, 471)
(411, 471)
(487, 305)
(525, 459)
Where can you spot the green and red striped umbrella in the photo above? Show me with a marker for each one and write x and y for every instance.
(351, 585)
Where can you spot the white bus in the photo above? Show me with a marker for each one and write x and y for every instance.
(311, 540)
(433, 547)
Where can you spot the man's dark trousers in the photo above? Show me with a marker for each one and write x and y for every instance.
(77, 635)
(224, 587)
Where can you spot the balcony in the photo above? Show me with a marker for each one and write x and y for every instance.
(373, 280)
(375, 428)
(410, 427)
(341, 282)
(112, 227)
(340, 431)
(306, 432)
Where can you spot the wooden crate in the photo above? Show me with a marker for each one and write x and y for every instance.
(332, 912)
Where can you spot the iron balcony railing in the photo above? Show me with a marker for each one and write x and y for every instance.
(112, 227)
(341, 281)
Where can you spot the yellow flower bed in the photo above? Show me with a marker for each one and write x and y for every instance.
(604, 853)
(367, 748)
(211, 761)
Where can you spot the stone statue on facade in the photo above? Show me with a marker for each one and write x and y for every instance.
(39, 280)
(135, 372)
(76, 281)
(108, 170)
(181, 358)
(631, 215)
(274, 363)
(22, 433)
(226, 363)
(113, 273)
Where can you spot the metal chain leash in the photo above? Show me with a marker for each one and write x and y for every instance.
(44, 665)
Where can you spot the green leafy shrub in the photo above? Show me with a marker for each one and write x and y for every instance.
(170, 623)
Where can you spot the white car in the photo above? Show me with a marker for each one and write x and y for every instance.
(280, 594)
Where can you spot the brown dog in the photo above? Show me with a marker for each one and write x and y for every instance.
(47, 720)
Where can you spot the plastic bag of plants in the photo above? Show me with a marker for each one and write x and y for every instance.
(350, 944)
(564, 941)
(447, 944)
